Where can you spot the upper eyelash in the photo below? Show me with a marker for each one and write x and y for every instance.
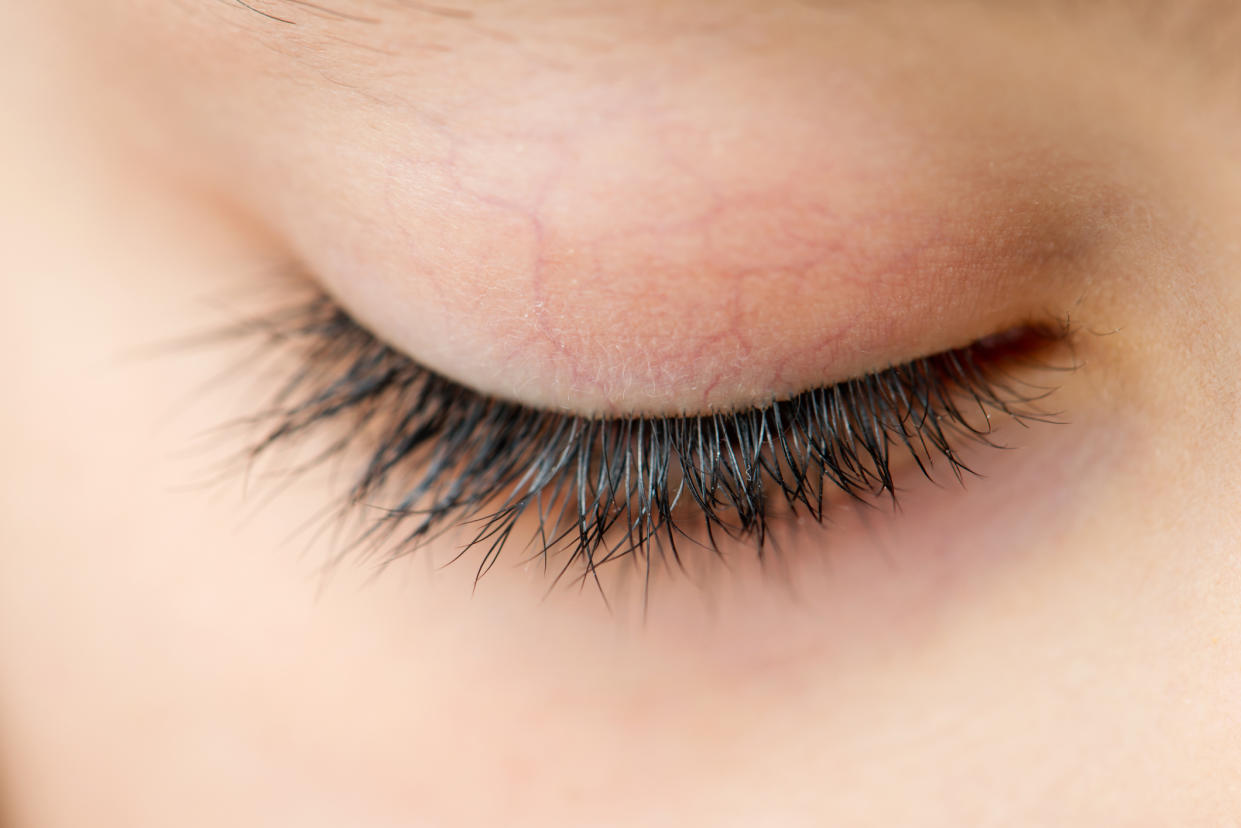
(600, 489)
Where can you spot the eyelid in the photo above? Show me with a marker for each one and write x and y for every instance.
(720, 296)
(595, 489)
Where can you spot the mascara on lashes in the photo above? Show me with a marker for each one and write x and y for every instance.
(596, 490)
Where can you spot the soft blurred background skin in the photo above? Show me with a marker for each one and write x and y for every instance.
(1058, 644)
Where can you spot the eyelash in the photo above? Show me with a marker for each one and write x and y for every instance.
(600, 490)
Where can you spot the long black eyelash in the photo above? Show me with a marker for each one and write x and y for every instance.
(596, 490)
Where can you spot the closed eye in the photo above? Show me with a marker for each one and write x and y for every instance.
(581, 492)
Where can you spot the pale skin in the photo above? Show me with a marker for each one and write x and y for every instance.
(643, 208)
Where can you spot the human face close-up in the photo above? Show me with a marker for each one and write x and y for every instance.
(664, 412)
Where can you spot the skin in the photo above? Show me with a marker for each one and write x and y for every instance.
(630, 207)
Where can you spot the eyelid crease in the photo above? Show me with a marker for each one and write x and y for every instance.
(598, 490)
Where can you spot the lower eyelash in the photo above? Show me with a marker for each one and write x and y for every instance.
(597, 490)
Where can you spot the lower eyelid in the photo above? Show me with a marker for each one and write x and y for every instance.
(593, 491)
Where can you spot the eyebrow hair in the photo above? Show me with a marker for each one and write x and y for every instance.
(1204, 30)
(321, 10)
(1200, 17)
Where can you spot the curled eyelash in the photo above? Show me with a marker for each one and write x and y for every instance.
(597, 490)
